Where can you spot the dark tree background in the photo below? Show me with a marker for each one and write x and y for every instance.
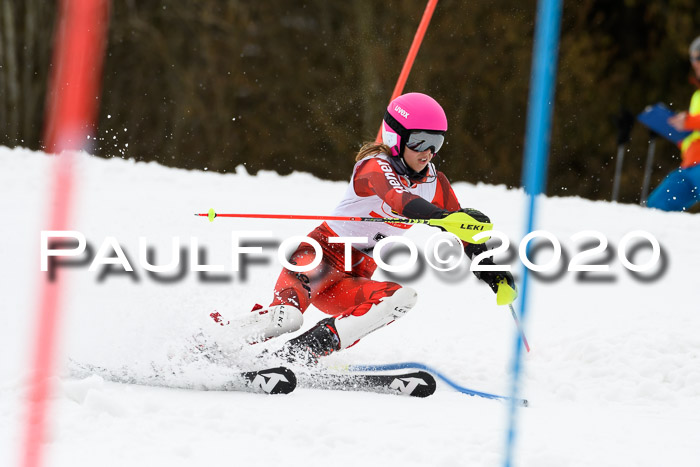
(289, 85)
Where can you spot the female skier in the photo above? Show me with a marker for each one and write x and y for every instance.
(396, 179)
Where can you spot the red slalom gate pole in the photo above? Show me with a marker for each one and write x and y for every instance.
(412, 52)
(71, 108)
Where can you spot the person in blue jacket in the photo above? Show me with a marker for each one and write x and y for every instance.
(681, 188)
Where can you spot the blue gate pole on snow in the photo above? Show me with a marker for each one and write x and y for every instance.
(539, 122)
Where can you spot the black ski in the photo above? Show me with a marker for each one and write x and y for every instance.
(278, 380)
(416, 384)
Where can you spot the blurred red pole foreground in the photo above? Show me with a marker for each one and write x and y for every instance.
(71, 109)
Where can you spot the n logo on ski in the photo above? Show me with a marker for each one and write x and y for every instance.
(407, 385)
(279, 380)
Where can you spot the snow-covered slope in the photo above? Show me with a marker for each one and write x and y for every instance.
(613, 376)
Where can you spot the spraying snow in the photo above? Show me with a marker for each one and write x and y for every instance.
(613, 377)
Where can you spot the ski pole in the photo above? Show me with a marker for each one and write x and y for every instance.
(625, 122)
(520, 328)
(460, 223)
(648, 167)
(618, 171)
(505, 296)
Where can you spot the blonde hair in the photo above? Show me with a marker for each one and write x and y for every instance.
(372, 147)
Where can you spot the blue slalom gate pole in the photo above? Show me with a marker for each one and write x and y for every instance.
(539, 123)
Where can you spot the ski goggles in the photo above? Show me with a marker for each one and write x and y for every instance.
(420, 141)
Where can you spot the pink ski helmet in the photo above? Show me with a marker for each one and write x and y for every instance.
(415, 120)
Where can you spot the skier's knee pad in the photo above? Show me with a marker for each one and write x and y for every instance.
(352, 328)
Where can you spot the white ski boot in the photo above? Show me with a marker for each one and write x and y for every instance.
(352, 328)
(332, 334)
(263, 323)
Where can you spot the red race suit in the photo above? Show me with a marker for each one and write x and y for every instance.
(375, 190)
